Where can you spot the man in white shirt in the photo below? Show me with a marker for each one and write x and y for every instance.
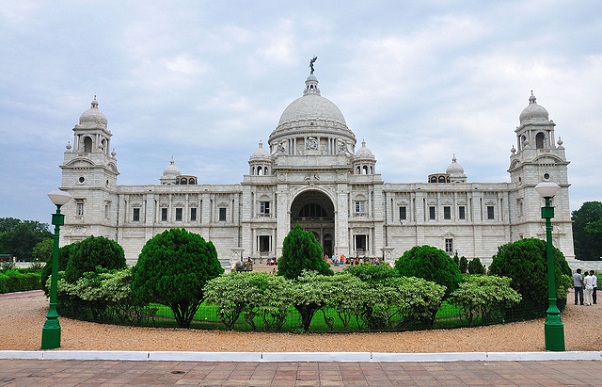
(589, 288)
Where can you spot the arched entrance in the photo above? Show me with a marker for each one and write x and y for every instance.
(314, 212)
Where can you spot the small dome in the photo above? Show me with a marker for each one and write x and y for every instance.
(533, 113)
(455, 169)
(93, 118)
(171, 170)
(260, 153)
(364, 153)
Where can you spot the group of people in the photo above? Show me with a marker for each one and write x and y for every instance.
(585, 288)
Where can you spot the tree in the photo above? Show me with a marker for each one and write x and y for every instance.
(463, 266)
(301, 251)
(432, 264)
(172, 269)
(525, 262)
(587, 231)
(42, 250)
(18, 237)
(475, 266)
(92, 252)
(65, 253)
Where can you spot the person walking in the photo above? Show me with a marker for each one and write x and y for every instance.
(578, 286)
(595, 279)
(589, 288)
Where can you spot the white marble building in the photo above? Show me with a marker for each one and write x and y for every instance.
(310, 173)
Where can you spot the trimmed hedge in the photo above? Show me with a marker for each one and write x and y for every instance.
(16, 281)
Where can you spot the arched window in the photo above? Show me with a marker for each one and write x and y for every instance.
(365, 170)
(441, 179)
(191, 181)
(539, 140)
(183, 181)
(433, 179)
(87, 145)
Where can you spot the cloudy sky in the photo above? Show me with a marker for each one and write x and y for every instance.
(205, 81)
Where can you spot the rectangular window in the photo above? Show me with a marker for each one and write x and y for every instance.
(79, 207)
(361, 244)
(193, 214)
(402, 213)
(222, 214)
(446, 212)
(178, 214)
(164, 214)
(449, 245)
(136, 215)
(490, 212)
(462, 212)
(107, 210)
(264, 208)
(360, 207)
(432, 213)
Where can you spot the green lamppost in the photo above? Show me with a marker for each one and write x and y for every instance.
(553, 327)
(51, 333)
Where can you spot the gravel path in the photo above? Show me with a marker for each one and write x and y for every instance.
(22, 319)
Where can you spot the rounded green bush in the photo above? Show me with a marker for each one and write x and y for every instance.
(92, 252)
(432, 264)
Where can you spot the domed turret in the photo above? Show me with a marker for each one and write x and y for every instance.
(364, 153)
(455, 172)
(260, 153)
(259, 162)
(170, 174)
(533, 113)
(93, 118)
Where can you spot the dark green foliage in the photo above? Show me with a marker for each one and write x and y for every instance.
(587, 231)
(172, 269)
(65, 253)
(16, 280)
(475, 266)
(456, 259)
(371, 273)
(525, 262)
(463, 266)
(92, 252)
(430, 263)
(18, 237)
(301, 251)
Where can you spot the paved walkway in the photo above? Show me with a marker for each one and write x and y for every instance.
(40, 373)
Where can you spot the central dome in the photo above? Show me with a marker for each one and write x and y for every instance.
(311, 107)
(312, 115)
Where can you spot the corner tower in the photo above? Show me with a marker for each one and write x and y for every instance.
(90, 176)
(536, 158)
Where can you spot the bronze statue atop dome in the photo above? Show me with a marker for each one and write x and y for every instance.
(311, 64)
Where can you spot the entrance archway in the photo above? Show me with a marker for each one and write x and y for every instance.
(314, 212)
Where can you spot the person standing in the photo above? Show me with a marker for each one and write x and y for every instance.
(589, 288)
(578, 286)
(595, 279)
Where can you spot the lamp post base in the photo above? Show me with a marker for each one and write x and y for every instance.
(554, 334)
(51, 334)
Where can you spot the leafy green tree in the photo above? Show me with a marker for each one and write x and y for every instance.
(475, 266)
(484, 297)
(301, 251)
(525, 262)
(310, 292)
(18, 237)
(43, 250)
(587, 231)
(172, 269)
(92, 252)
(463, 266)
(432, 264)
(65, 253)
